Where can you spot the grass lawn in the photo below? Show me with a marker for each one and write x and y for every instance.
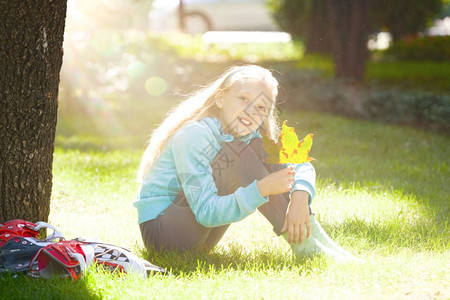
(382, 193)
(432, 76)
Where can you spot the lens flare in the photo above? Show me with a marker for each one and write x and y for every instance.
(136, 69)
(155, 86)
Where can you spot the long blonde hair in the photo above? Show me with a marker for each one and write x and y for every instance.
(203, 103)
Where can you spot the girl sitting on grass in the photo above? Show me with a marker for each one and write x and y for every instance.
(203, 169)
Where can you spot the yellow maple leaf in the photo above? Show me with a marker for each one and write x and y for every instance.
(288, 150)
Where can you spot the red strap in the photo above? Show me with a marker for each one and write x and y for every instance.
(56, 260)
(61, 252)
(16, 228)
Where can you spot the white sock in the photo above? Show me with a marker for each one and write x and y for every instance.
(319, 243)
(318, 233)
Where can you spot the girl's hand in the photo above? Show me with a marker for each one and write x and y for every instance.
(297, 218)
(277, 182)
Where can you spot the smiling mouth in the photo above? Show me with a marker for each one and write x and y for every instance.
(245, 121)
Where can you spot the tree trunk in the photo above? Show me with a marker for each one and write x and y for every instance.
(31, 36)
(349, 30)
(318, 34)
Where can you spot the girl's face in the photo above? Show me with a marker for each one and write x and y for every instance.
(245, 106)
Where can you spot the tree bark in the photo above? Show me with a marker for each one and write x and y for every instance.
(318, 34)
(31, 37)
(349, 30)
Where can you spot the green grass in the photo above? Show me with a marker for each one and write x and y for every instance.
(428, 75)
(409, 75)
(185, 46)
(382, 193)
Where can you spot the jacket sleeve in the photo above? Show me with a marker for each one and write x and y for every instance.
(192, 155)
(305, 180)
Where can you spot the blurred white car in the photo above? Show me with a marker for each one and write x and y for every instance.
(211, 15)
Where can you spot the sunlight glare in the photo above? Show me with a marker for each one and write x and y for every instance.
(106, 43)
(136, 69)
(229, 37)
(155, 86)
(165, 4)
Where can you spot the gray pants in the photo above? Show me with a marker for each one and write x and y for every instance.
(237, 164)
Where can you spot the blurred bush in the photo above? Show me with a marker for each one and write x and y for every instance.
(423, 109)
(309, 90)
(435, 48)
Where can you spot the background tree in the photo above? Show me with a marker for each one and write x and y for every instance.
(349, 24)
(31, 38)
(403, 17)
(304, 20)
(349, 32)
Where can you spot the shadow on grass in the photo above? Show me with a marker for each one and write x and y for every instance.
(390, 236)
(386, 237)
(234, 258)
(25, 287)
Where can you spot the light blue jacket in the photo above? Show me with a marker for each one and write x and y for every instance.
(184, 165)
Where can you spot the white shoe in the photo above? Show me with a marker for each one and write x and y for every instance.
(311, 246)
(318, 233)
(320, 243)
